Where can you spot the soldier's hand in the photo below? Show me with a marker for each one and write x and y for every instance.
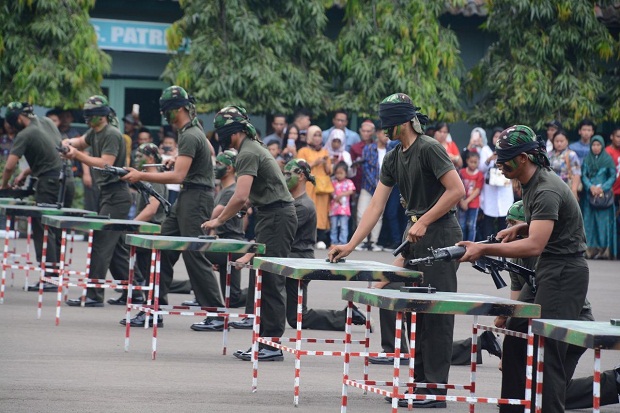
(70, 153)
(416, 232)
(508, 234)
(211, 224)
(339, 251)
(133, 176)
(169, 164)
(500, 321)
(473, 251)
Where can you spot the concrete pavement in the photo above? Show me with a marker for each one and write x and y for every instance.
(81, 365)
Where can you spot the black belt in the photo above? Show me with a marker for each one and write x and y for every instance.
(274, 205)
(52, 173)
(572, 255)
(415, 218)
(190, 185)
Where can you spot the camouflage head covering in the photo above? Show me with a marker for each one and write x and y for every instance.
(301, 167)
(516, 212)
(96, 102)
(227, 157)
(175, 97)
(14, 109)
(397, 109)
(233, 119)
(150, 149)
(519, 139)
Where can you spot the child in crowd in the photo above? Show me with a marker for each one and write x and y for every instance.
(473, 180)
(340, 207)
(274, 150)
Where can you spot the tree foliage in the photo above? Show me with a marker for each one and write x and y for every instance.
(390, 46)
(267, 55)
(49, 53)
(549, 61)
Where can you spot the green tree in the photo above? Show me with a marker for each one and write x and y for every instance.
(266, 55)
(389, 46)
(548, 62)
(49, 53)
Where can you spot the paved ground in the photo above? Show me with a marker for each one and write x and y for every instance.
(80, 366)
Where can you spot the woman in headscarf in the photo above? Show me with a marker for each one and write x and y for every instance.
(598, 174)
(318, 158)
(337, 152)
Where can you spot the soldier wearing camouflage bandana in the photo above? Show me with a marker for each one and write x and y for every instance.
(36, 140)
(431, 187)
(193, 169)
(554, 230)
(259, 180)
(107, 148)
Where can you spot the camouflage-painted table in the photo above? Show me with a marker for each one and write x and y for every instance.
(166, 243)
(15, 201)
(26, 209)
(596, 335)
(86, 224)
(318, 269)
(435, 303)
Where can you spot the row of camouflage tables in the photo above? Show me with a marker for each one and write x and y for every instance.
(595, 335)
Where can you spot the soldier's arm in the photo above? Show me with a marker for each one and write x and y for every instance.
(9, 169)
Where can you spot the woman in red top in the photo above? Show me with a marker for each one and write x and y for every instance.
(441, 134)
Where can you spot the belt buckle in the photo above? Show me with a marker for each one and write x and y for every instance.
(414, 219)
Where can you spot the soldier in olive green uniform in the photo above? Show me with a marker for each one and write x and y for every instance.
(431, 187)
(260, 180)
(153, 212)
(231, 229)
(578, 391)
(37, 139)
(554, 227)
(107, 148)
(193, 169)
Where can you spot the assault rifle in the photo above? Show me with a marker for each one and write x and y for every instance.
(484, 264)
(144, 188)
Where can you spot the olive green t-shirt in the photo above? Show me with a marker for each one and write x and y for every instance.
(37, 142)
(108, 141)
(305, 236)
(547, 197)
(417, 172)
(269, 184)
(193, 143)
(233, 228)
(160, 215)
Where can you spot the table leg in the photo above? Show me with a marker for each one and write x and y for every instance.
(596, 383)
(300, 313)
(226, 302)
(89, 251)
(540, 362)
(412, 343)
(256, 329)
(347, 358)
(5, 257)
(155, 306)
(472, 362)
(396, 375)
(132, 263)
(61, 273)
(42, 276)
(28, 242)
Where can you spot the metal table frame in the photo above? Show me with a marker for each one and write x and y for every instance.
(160, 243)
(90, 225)
(318, 269)
(438, 303)
(13, 211)
(596, 335)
